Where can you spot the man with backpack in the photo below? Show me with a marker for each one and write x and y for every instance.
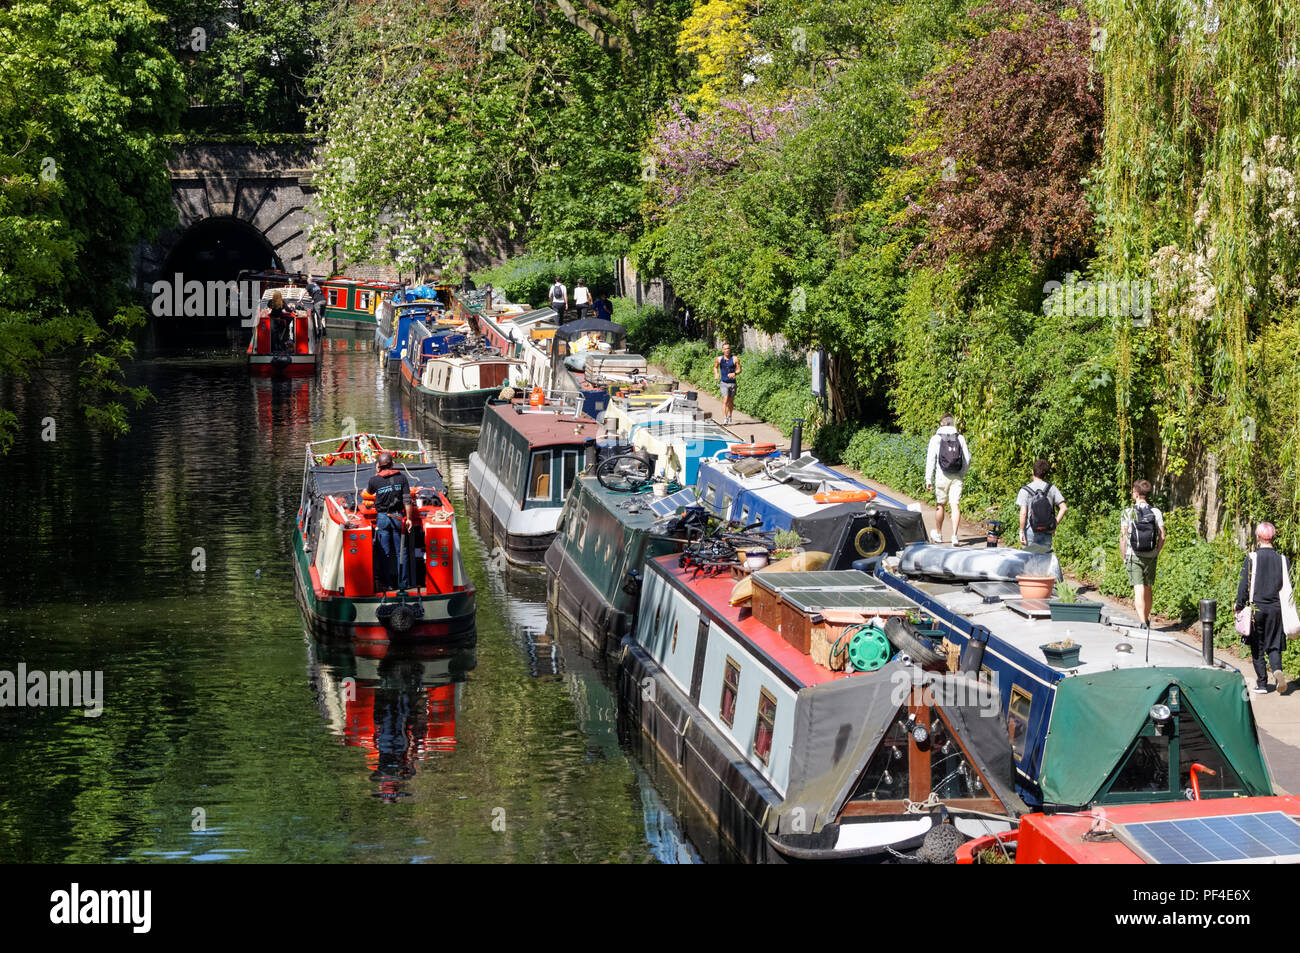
(1141, 537)
(1041, 508)
(559, 298)
(946, 463)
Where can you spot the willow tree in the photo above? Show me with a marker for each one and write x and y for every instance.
(1195, 194)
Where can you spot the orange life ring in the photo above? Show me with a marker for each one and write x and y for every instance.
(845, 496)
(751, 449)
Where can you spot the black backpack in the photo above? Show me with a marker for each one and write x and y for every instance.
(1143, 533)
(951, 459)
(1042, 514)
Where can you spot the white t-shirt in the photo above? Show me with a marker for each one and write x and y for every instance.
(559, 293)
(581, 295)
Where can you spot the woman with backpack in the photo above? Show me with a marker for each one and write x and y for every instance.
(1141, 537)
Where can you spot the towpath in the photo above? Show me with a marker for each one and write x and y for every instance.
(1278, 716)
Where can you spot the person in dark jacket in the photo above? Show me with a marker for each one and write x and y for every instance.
(1266, 638)
(394, 509)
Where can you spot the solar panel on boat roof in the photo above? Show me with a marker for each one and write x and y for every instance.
(808, 599)
(825, 579)
(1265, 838)
(667, 505)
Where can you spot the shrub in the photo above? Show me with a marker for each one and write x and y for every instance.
(527, 279)
(648, 327)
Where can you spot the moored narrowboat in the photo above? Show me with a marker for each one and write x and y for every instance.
(796, 760)
(291, 348)
(353, 301)
(342, 575)
(450, 375)
(528, 456)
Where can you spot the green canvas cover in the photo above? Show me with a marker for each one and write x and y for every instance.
(1096, 719)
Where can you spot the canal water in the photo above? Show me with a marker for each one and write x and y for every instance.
(162, 560)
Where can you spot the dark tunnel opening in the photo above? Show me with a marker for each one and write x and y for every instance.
(213, 250)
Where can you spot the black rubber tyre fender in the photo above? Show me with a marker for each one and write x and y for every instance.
(902, 635)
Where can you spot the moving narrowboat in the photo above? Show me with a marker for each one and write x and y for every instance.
(340, 568)
(298, 351)
(450, 375)
(528, 457)
(353, 301)
(795, 755)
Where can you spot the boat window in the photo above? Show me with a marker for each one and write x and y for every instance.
(1018, 720)
(726, 505)
(573, 523)
(570, 471)
(1147, 767)
(363, 300)
(338, 297)
(730, 689)
(887, 776)
(744, 515)
(539, 479)
(709, 495)
(765, 725)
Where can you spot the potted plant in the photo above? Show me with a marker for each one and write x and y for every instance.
(1063, 654)
(1035, 587)
(1068, 607)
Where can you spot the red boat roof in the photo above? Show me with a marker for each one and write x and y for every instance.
(545, 429)
(715, 592)
(1059, 838)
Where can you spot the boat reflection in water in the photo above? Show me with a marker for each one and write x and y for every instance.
(396, 700)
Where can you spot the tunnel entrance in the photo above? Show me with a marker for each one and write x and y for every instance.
(215, 249)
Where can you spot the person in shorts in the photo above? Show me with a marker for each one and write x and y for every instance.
(725, 369)
(1141, 537)
(946, 463)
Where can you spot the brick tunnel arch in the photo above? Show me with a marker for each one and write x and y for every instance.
(218, 249)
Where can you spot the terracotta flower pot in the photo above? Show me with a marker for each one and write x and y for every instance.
(1036, 587)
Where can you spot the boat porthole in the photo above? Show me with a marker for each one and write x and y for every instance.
(869, 542)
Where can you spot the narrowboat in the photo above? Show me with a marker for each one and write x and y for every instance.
(353, 300)
(299, 353)
(1097, 715)
(393, 329)
(450, 375)
(753, 484)
(671, 429)
(340, 571)
(797, 757)
(1242, 830)
(528, 457)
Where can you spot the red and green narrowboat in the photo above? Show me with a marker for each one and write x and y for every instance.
(338, 566)
(353, 300)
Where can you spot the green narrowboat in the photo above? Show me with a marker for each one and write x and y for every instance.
(353, 300)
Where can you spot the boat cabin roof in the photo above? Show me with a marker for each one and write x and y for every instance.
(713, 594)
(1097, 641)
(546, 426)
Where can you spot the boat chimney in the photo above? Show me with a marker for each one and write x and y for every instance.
(796, 439)
(1209, 612)
(589, 455)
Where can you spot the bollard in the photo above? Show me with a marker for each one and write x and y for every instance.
(1209, 612)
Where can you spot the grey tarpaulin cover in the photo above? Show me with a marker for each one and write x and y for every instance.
(975, 562)
(840, 724)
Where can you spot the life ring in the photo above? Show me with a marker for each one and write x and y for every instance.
(845, 496)
(877, 544)
(751, 449)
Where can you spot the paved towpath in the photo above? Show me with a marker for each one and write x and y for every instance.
(1278, 716)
